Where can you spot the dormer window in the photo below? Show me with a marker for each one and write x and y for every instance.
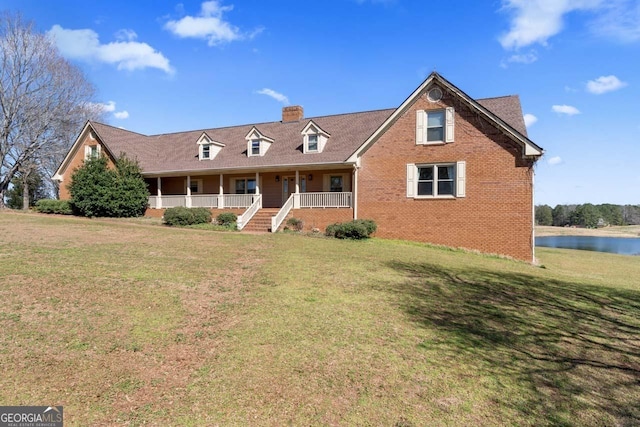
(208, 149)
(257, 143)
(255, 147)
(312, 144)
(313, 138)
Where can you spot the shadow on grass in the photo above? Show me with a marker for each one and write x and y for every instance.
(560, 353)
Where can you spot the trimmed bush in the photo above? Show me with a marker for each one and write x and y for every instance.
(358, 229)
(181, 216)
(98, 190)
(295, 224)
(369, 224)
(50, 206)
(227, 219)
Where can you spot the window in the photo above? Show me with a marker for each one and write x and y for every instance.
(312, 144)
(246, 186)
(435, 126)
(206, 151)
(195, 186)
(255, 147)
(436, 180)
(335, 184)
(91, 152)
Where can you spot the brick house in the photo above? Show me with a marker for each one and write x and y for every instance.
(442, 168)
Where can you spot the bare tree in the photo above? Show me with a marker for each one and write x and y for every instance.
(44, 100)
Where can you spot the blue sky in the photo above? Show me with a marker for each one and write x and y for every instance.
(165, 66)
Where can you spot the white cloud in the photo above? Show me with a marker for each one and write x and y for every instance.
(524, 58)
(535, 21)
(620, 19)
(107, 107)
(604, 84)
(529, 119)
(565, 109)
(275, 95)
(209, 25)
(555, 160)
(125, 54)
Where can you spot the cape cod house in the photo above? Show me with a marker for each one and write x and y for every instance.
(442, 168)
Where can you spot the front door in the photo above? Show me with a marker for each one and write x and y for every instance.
(289, 186)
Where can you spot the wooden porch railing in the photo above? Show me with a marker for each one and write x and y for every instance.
(250, 212)
(277, 219)
(326, 200)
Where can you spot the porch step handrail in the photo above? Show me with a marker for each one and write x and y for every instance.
(277, 219)
(244, 219)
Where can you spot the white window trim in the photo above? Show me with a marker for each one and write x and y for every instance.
(307, 146)
(459, 180)
(87, 151)
(202, 156)
(264, 142)
(257, 141)
(448, 126)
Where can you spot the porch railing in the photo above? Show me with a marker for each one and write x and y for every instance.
(173, 201)
(244, 219)
(326, 200)
(204, 200)
(277, 219)
(238, 200)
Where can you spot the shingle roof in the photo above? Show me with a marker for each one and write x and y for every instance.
(176, 152)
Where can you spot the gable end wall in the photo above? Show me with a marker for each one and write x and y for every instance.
(496, 214)
(77, 160)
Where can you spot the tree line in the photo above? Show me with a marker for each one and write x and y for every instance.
(588, 215)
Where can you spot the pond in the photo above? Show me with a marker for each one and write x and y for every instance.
(616, 245)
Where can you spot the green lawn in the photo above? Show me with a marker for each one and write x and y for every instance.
(126, 323)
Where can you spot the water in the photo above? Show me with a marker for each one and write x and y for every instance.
(615, 245)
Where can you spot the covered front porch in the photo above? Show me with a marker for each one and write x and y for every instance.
(284, 190)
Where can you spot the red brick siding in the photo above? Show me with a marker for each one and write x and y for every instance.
(76, 161)
(320, 218)
(496, 214)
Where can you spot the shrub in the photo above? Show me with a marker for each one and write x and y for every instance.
(369, 224)
(227, 219)
(50, 206)
(358, 229)
(186, 216)
(97, 190)
(295, 224)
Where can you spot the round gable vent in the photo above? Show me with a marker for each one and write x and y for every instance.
(435, 94)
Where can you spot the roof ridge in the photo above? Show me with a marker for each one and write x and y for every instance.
(265, 123)
(498, 97)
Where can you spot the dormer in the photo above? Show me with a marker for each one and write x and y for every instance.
(257, 143)
(208, 149)
(313, 138)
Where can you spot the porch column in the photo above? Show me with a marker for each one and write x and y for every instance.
(257, 183)
(159, 198)
(221, 198)
(296, 195)
(188, 199)
(354, 192)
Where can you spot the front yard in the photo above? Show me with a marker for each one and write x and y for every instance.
(126, 323)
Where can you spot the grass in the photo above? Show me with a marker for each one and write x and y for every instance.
(131, 324)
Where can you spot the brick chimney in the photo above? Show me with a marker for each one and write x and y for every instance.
(293, 113)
